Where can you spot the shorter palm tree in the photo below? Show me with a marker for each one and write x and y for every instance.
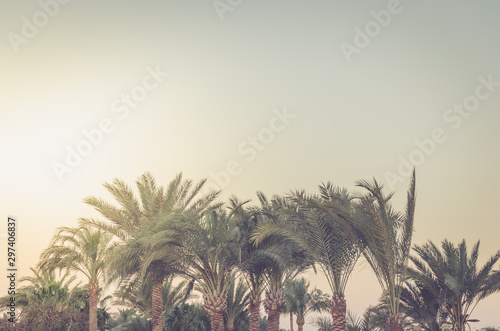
(385, 235)
(285, 259)
(454, 277)
(252, 261)
(300, 301)
(304, 223)
(44, 286)
(236, 315)
(83, 250)
(422, 305)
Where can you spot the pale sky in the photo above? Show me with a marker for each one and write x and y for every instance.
(254, 96)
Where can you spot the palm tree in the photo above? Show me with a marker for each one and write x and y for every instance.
(210, 258)
(150, 255)
(301, 302)
(48, 302)
(385, 235)
(154, 201)
(44, 286)
(284, 258)
(237, 301)
(84, 250)
(317, 232)
(297, 298)
(289, 309)
(139, 293)
(133, 215)
(452, 276)
(252, 260)
(421, 304)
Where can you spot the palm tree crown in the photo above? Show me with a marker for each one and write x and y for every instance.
(83, 250)
(454, 278)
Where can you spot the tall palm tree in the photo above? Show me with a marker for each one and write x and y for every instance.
(134, 214)
(154, 201)
(83, 250)
(150, 255)
(453, 276)
(307, 225)
(386, 236)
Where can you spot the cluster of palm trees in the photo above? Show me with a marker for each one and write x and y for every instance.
(240, 256)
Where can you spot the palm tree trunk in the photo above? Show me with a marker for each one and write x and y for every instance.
(215, 308)
(273, 320)
(254, 309)
(93, 291)
(291, 321)
(157, 302)
(338, 309)
(274, 304)
(217, 322)
(300, 323)
(229, 326)
(394, 323)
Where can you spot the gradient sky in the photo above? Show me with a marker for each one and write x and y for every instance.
(227, 78)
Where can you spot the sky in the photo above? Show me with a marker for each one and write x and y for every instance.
(252, 95)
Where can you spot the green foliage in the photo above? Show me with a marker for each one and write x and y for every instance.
(154, 201)
(187, 317)
(138, 294)
(302, 223)
(300, 301)
(81, 249)
(237, 303)
(231, 253)
(384, 233)
(453, 280)
(49, 304)
(208, 247)
(262, 323)
(374, 319)
(122, 319)
(43, 287)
